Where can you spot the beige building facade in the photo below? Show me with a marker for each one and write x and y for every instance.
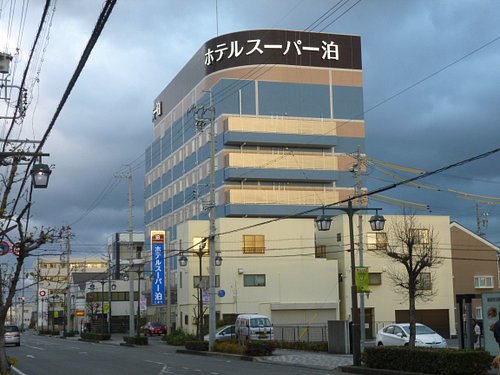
(268, 268)
(383, 304)
(475, 266)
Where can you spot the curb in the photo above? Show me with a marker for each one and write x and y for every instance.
(217, 354)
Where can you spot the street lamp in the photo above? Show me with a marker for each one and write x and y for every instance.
(377, 224)
(92, 287)
(183, 262)
(126, 277)
(40, 175)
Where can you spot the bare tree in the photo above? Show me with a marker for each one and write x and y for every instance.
(413, 247)
(15, 205)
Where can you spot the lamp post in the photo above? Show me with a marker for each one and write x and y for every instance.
(138, 273)
(53, 298)
(183, 262)
(377, 224)
(43, 299)
(92, 287)
(74, 327)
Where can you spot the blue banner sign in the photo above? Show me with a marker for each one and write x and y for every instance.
(158, 267)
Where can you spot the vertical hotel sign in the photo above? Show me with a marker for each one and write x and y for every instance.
(158, 267)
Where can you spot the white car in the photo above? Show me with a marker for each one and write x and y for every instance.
(399, 335)
(225, 333)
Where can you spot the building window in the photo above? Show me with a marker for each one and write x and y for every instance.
(254, 280)
(479, 312)
(424, 281)
(254, 244)
(376, 240)
(205, 282)
(320, 251)
(483, 282)
(374, 278)
(421, 236)
(339, 237)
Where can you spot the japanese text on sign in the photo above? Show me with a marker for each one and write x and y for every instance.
(328, 50)
(158, 267)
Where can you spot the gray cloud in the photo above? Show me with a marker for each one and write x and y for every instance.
(106, 122)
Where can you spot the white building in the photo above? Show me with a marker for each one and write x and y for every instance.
(271, 269)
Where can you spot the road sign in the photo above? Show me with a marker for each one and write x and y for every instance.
(4, 248)
(42, 293)
(16, 249)
(221, 293)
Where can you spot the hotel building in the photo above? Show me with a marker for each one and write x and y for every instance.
(287, 108)
(288, 114)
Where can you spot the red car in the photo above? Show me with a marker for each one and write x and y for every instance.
(154, 328)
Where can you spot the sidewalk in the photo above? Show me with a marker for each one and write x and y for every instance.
(338, 364)
(323, 361)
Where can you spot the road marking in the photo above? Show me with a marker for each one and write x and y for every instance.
(34, 347)
(17, 371)
(30, 356)
(157, 363)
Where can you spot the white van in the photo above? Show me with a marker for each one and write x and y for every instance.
(253, 327)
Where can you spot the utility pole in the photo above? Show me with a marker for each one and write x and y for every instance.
(109, 292)
(22, 301)
(201, 122)
(67, 236)
(481, 222)
(169, 302)
(357, 172)
(128, 176)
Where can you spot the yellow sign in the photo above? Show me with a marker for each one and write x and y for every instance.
(106, 308)
(362, 280)
(56, 314)
(80, 312)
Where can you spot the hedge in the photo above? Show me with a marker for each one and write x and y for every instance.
(428, 361)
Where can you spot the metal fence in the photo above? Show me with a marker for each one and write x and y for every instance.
(304, 333)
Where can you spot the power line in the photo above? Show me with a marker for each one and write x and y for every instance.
(376, 191)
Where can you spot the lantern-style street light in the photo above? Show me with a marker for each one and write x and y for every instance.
(377, 222)
(183, 262)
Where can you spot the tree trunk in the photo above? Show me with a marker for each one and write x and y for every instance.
(412, 317)
(4, 362)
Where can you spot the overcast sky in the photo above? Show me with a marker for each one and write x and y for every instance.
(431, 76)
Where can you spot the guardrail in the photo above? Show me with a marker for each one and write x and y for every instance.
(304, 333)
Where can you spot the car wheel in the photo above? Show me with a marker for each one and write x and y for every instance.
(18, 344)
(380, 343)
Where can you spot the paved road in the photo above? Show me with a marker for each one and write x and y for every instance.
(329, 363)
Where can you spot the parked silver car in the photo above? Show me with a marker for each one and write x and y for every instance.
(399, 335)
(225, 333)
(12, 335)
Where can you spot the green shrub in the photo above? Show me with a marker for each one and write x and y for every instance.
(95, 336)
(429, 361)
(201, 346)
(302, 345)
(259, 348)
(231, 347)
(136, 340)
(178, 338)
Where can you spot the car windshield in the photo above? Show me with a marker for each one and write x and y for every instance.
(11, 329)
(156, 324)
(260, 322)
(421, 330)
